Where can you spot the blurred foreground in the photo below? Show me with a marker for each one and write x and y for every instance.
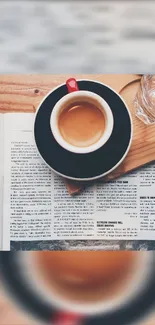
(87, 279)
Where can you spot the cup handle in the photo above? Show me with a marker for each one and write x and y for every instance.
(72, 85)
(64, 318)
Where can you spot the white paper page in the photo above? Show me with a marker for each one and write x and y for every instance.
(40, 208)
(1, 179)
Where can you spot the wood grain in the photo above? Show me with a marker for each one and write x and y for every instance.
(23, 93)
(12, 314)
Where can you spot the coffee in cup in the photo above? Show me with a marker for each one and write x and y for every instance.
(81, 121)
(81, 124)
(86, 276)
(89, 282)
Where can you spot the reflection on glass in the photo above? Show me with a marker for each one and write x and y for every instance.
(145, 100)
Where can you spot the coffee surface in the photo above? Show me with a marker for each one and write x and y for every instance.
(81, 124)
(87, 276)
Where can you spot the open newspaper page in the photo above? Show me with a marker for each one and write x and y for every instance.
(42, 215)
(1, 179)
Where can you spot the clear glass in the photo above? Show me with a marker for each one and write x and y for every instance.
(144, 102)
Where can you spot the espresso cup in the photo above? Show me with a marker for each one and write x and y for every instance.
(126, 290)
(88, 98)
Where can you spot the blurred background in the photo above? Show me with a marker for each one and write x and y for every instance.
(122, 282)
(76, 36)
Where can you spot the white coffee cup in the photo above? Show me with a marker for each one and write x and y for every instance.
(88, 97)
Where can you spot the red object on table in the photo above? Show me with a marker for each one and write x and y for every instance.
(64, 318)
(72, 85)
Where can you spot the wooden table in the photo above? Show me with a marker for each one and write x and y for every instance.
(10, 314)
(23, 93)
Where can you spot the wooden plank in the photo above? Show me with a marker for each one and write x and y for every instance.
(23, 93)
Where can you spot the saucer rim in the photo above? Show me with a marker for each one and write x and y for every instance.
(119, 162)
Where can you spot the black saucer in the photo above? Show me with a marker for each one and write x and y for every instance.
(89, 166)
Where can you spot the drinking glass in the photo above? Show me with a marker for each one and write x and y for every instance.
(144, 102)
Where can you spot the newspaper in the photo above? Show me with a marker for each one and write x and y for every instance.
(38, 212)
